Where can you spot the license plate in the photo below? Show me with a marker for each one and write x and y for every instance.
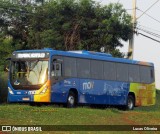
(25, 99)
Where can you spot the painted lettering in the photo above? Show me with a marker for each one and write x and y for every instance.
(88, 85)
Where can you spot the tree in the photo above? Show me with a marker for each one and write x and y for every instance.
(66, 25)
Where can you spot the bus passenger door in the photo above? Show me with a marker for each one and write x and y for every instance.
(56, 72)
(57, 81)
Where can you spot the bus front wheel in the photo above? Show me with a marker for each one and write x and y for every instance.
(130, 103)
(71, 100)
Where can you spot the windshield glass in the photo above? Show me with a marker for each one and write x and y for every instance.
(33, 72)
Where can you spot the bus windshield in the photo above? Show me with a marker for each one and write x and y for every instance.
(29, 72)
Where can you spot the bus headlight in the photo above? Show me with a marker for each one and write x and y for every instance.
(44, 90)
(10, 91)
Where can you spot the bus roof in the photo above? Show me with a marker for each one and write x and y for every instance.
(87, 55)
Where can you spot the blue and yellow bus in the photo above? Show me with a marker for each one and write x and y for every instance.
(79, 77)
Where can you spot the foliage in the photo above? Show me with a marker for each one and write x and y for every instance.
(64, 25)
(3, 87)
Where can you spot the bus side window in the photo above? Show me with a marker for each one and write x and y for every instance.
(56, 69)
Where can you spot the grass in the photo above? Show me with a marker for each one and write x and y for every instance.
(52, 115)
(24, 114)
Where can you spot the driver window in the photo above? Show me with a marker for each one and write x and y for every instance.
(56, 69)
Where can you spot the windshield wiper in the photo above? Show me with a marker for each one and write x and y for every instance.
(33, 66)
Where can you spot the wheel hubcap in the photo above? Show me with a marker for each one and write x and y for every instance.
(71, 100)
(130, 104)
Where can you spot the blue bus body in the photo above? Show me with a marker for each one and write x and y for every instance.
(86, 90)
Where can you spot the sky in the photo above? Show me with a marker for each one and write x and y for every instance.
(145, 49)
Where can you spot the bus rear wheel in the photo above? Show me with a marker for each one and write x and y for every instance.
(130, 103)
(71, 100)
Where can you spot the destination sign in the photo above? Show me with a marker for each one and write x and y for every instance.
(30, 55)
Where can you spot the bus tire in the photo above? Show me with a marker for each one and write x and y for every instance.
(71, 100)
(130, 103)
